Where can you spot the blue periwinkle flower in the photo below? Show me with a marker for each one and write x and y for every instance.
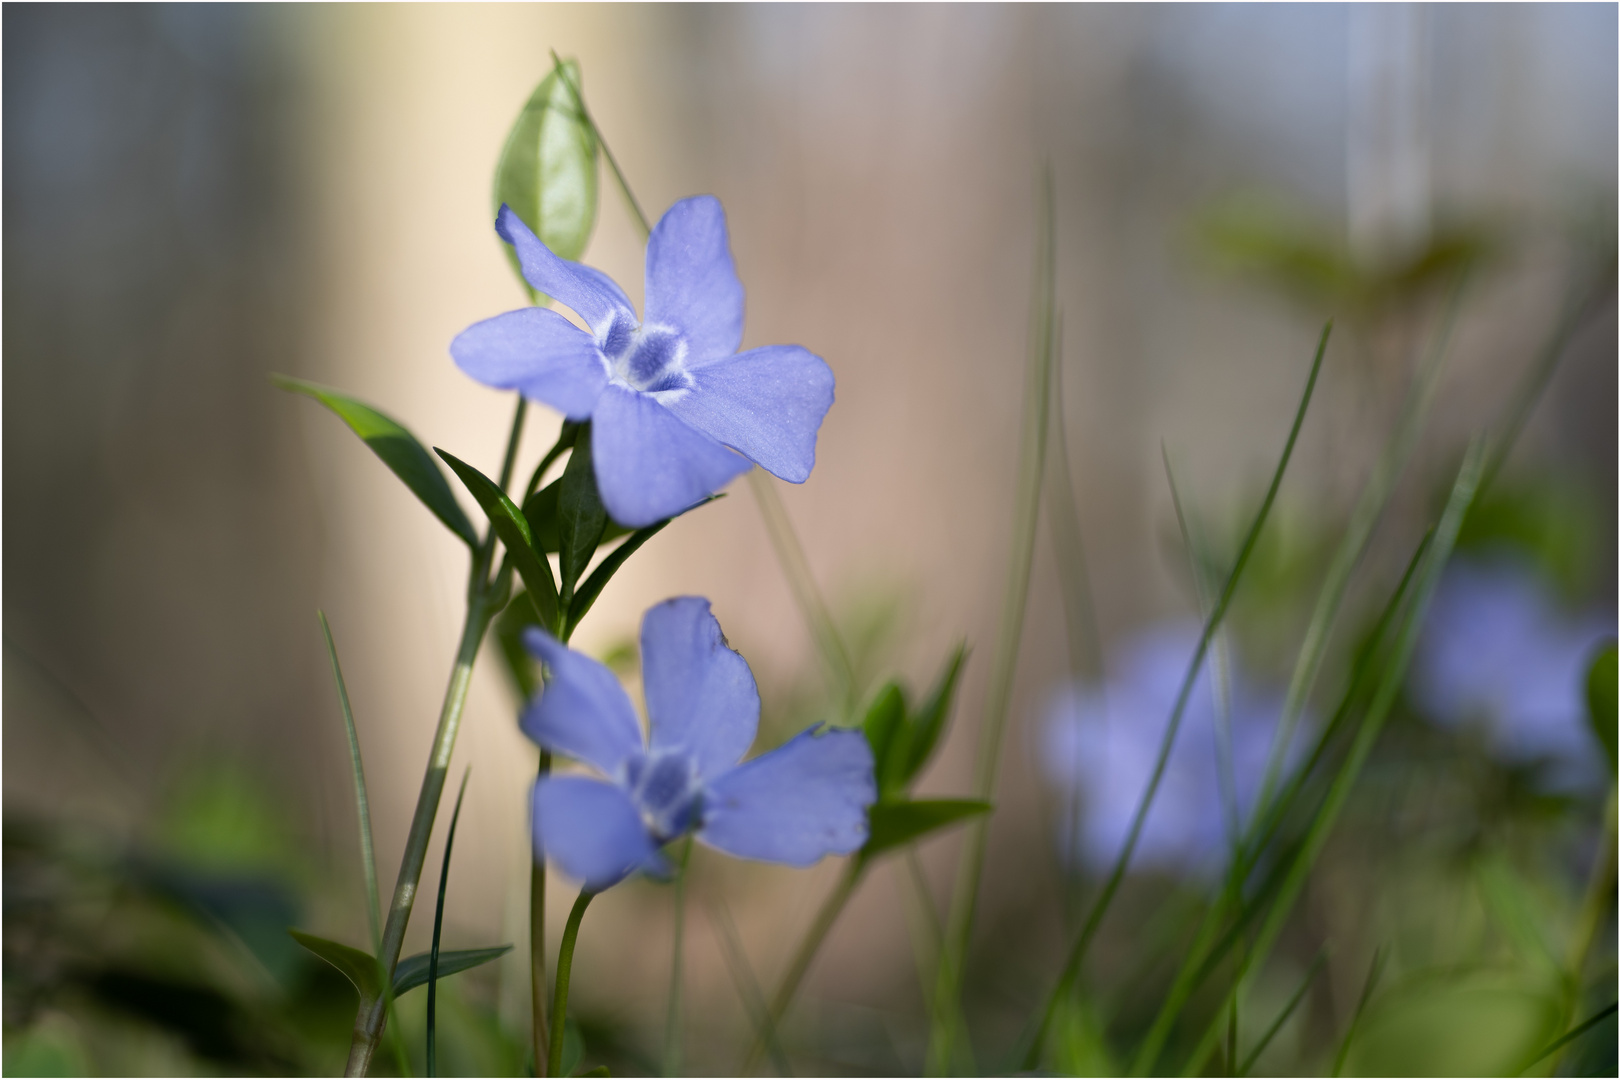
(1098, 745)
(676, 412)
(793, 805)
(1498, 652)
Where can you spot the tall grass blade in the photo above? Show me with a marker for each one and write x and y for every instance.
(1570, 1036)
(1374, 973)
(742, 976)
(1088, 931)
(438, 927)
(944, 1029)
(1282, 1018)
(1392, 676)
(368, 860)
(1068, 542)
(1364, 518)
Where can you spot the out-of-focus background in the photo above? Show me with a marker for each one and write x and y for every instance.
(196, 196)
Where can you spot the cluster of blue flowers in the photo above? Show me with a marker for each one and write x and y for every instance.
(1098, 745)
(675, 413)
(1499, 652)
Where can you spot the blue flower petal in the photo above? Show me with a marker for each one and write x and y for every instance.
(691, 282)
(767, 403)
(803, 800)
(589, 292)
(537, 352)
(583, 712)
(701, 697)
(651, 464)
(590, 830)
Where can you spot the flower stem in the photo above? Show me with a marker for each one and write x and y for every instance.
(672, 1017)
(613, 162)
(565, 965)
(538, 990)
(481, 608)
(831, 908)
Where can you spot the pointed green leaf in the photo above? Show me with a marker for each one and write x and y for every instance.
(929, 723)
(358, 966)
(398, 449)
(897, 823)
(368, 858)
(580, 517)
(541, 511)
(593, 586)
(547, 171)
(513, 529)
(1601, 700)
(885, 727)
(413, 970)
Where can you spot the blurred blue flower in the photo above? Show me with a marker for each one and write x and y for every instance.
(1498, 652)
(667, 396)
(1098, 745)
(795, 804)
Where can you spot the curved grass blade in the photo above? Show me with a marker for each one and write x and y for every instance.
(944, 1030)
(1088, 931)
(742, 976)
(513, 529)
(1282, 1018)
(398, 449)
(1391, 678)
(1570, 1036)
(438, 929)
(547, 169)
(367, 852)
(1374, 973)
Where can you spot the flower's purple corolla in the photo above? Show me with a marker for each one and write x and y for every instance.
(667, 395)
(795, 804)
(1099, 743)
(1498, 652)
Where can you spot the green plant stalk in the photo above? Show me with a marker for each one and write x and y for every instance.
(1394, 673)
(369, 1021)
(742, 976)
(799, 966)
(944, 1030)
(565, 967)
(672, 1015)
(1364, 518)
(1594, 906)
(438, 929)
(1373, 972)
(1202, 956)
(368, 857)
(539, 984)
(1570, 1036)
(613, 162)
(1276, 1025)
(1088, 931)
(790, 554)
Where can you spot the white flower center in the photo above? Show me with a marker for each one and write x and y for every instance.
(648, 358)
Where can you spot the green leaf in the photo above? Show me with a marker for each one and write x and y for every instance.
(547, 171)
(398, 449)
(522, 668)
(580, 517)
(885, 721)
(368, 858)
(896, 823)
(513, 529)
(358, 966)
(413, 970)
(1601, 700)
(929, 723)
(541, 510)
(588, 592)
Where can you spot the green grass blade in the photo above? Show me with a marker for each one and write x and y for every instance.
(587, 593)
(438, 928)
(1364, 518)
(1088, 930)
(1068, 543)
(945, 1031)
(742, 976)
(1570, 1036)
(1374, 973)
(1392, 677)
(368, 860)
(1282, 1018)
(397, 448)
(513, 529)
